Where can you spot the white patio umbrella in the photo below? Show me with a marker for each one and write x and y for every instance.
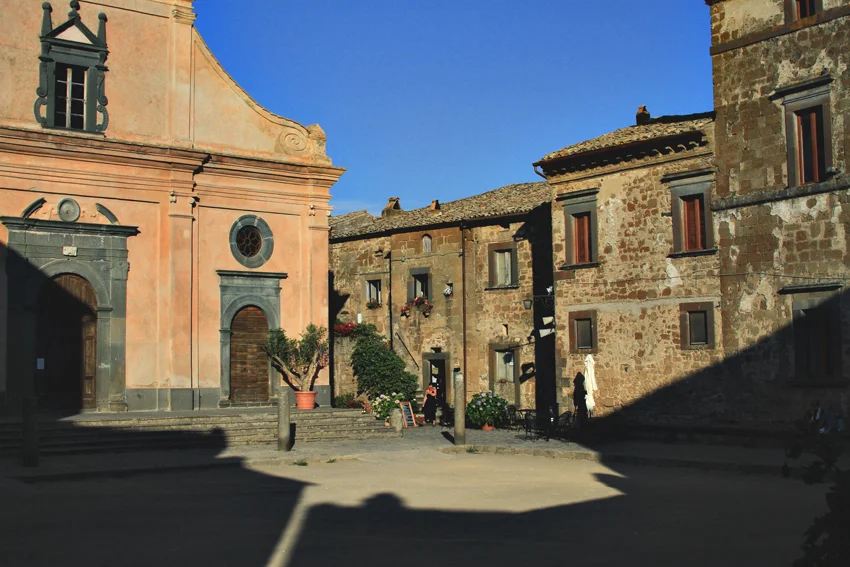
(590, 381)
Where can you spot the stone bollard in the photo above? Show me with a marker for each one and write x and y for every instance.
(29, 448)
(397, 420)
(460, 409)
(284, 437)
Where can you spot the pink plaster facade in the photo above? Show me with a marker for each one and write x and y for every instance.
(185, 155)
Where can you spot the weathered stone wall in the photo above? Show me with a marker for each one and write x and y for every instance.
(636, 291)
(772, 234)
(495, 316)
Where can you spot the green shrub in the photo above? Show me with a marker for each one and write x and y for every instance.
(379, 370)
(486, 407)
(346, 401)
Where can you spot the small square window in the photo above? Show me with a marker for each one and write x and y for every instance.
(696, 325)
(420, 286)
(505, 365)
(584, 333)
(373, 292)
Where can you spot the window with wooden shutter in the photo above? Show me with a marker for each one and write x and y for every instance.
(694, 225)
(811, 165)
(582, 237)
(805, 8)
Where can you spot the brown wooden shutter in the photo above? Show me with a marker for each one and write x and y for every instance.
(694, 226)
(582, 240)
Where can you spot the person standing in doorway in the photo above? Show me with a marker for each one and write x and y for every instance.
(430, 408)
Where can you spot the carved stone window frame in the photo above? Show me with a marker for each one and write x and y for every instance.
(680, 189)
(801, 96)
(266, 249)
(685, 309)
(578, 203)
(827, 299)
(89, 56)
(572, 317)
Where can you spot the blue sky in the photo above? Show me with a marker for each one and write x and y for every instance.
(442, 99)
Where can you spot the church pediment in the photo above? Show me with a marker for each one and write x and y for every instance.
(73, 30)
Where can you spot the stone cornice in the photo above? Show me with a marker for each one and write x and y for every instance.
(183, 15)
(18, 223)
(782, 29)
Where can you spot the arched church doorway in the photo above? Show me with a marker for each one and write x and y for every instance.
(249, 365)
(67, 343)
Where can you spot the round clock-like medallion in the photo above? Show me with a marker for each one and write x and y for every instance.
(68, 210)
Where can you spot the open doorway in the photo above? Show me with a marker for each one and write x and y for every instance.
(435, 366)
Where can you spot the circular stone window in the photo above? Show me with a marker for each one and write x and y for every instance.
(251, 241)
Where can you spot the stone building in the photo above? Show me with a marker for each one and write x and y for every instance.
(156, 221)
(702, 259)
(482, 263)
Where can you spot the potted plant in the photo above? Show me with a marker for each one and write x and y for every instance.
(486, 409)
(299, 360)
(373, 304)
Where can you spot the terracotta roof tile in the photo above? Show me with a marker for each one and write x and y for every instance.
(509, 200)
(660, 127)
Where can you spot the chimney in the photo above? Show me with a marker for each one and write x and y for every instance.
(642, 116)
(392, 207)
(434, 209)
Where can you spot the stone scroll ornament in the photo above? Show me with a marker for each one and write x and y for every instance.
(297, 140)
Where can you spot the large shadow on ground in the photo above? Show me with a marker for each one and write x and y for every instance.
(236, 516)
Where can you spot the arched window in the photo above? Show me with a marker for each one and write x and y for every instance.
(426, 244)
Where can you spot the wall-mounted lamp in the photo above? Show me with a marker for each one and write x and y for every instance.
(527, 303)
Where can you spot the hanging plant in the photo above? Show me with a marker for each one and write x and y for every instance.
(405, 310)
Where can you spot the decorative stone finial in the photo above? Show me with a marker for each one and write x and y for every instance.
(46, 22)
(101, 28)
(74, 13)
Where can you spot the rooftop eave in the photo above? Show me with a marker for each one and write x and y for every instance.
(630, 151)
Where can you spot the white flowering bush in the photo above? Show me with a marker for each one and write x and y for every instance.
(486, 407)
(383, 405)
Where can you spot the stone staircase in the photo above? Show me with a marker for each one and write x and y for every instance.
(100, 433)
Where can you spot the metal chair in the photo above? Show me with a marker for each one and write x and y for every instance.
(530, 424)
(513, 419)
(563, 425)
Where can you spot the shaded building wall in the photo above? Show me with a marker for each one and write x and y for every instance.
(496, 316)
(636, 291)
(774, 232)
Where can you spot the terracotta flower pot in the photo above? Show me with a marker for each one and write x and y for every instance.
(305, 400)
(487, 427)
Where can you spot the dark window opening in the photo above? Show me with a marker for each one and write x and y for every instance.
(70, 102)
(694, 213)
(373, 292)
(698, 327)
(805, 8)
(584, 333)
(505, 366)
(816, 349)
(420, 286)
(582, 238)
(811, 158)
(249, 241)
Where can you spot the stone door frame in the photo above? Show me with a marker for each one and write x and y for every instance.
(40, 250)
(245, 289)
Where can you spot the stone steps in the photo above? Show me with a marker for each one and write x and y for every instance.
(126, 432)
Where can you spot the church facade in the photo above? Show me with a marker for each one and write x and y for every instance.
(156, 220)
